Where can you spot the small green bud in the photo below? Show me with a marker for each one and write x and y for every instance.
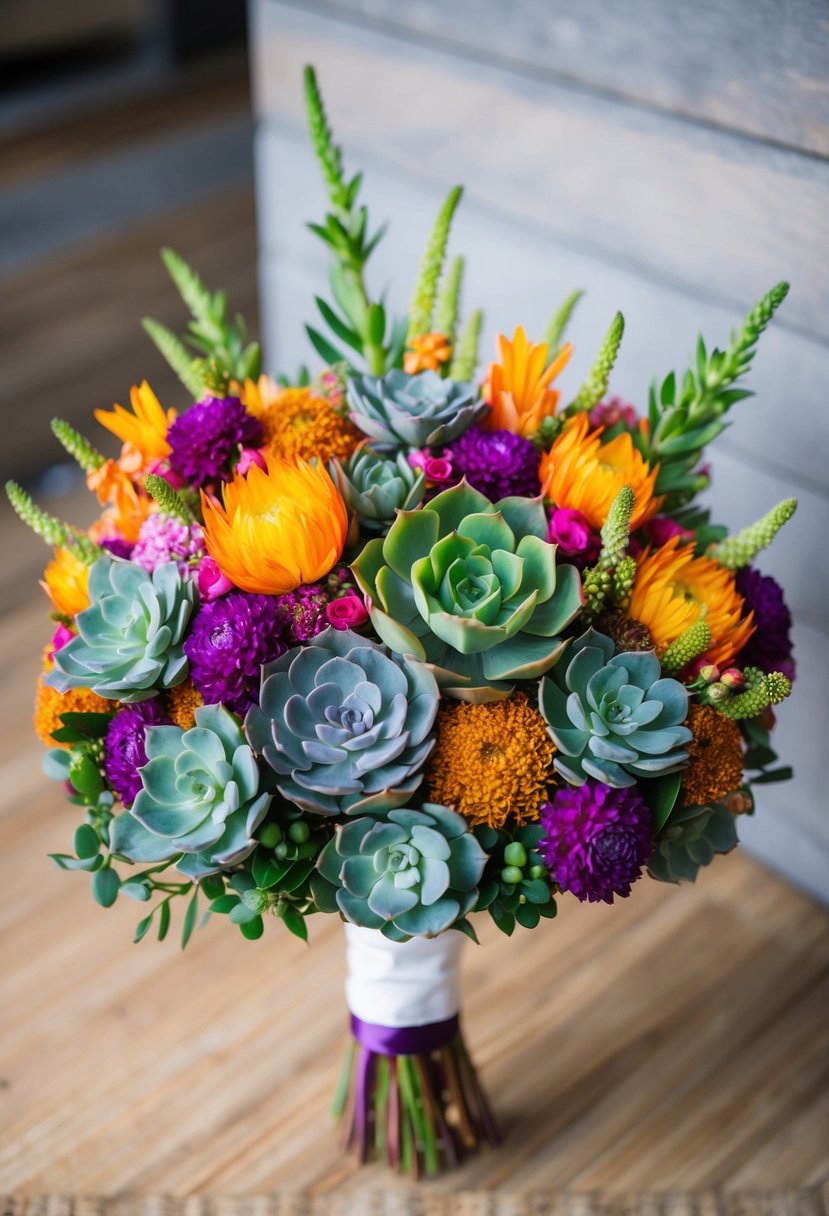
(281, 850)
(522, 899)
(511, 875)
(299, 832)
(538, 871)
(515, 854)
(270, 835)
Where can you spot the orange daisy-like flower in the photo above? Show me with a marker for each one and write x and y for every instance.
(126, 506)
(278, 527)
(518, 388)
(427, 353)
(673, 589)
(50, 704)
(298, 422)
(584, 474)
(144, 430)
(716, 751)
(65, 581)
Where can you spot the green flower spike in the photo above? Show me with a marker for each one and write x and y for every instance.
(473, 590)
(448, 303)
(465, 355)
(761, 691)
(613, 716)
(169, 500)
(375, 487)
(688, 646)
(737, 551)
(422, 304)
(398, 410)
(79, 448)
(595, 385)
(129, 641)
(411, 874)
(201, 797)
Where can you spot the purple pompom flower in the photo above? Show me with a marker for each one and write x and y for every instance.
(229, 640)
(117, 546)
(770, 646)
(497, 463)
(124, 746)
(205, 439)
(163, 539)
(303, 612)
(596, 839)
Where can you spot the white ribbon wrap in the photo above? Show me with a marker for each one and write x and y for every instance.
(402, 983)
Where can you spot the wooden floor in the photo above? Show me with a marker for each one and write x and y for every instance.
(677, 1042)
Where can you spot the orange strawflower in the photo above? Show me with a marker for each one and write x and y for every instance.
(716, 751)
(491, 761)
(584, 474)
(277, 527)
(427, 353)
(127, 507)
(518, 388)
(673, 589)
(182, 703)
(299, 422)
(65, 581)
(50, 704)
(144, 431)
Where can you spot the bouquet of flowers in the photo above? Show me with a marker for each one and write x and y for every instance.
(405, 644)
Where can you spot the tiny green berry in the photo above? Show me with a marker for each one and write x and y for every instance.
(515, 854)
(299, 832)
(281, 850)
(270, 835)
(538, 872)
(511, 875)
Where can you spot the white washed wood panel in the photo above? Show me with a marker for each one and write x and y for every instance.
(712, 212)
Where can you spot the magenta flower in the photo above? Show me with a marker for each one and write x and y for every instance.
(497, 463)
(211, 582)
(248, 458)
(163, 539)
(60, 637)
(612, 413)
(124, 746)
(347, 612)
(570, 530)
(662, 528)
(205, 440)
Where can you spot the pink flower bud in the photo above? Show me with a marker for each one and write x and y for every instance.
(60, 637)
(247, 459)
(733, 679)
(717, 692)
(709, 672)
(438, 469)
(570, 530)
(417, 458)
(212, 583)
(662, 528)
(346, 612)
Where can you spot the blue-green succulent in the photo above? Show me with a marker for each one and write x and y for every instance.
(375, 487)
(614, 716)
(201, 796)
(345, 726)
(472, 589)
(398, 410)
(409, 874)
(129, 640)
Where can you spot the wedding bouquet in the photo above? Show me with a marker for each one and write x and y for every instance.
(407, 644)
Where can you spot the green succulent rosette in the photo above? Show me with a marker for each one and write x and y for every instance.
(410, 874)
(345, 726)
(613, 716)
(202, 797)
(473, 590)
(376, 487)
(129, 640)
(398, 410)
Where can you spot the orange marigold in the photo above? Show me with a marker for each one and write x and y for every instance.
(65, 581)
(299, 422)
(427, 353)
(182, 703)
(518, 388)
(584, 474)
(716, 750)
(491, 761)
(50, 704)
(672, 589)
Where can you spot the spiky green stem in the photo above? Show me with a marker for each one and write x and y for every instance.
(448, 302)
(322, 141)
(79, 448)
(431, 265)
(549, 429)
(46, 526)
(465, 358)
(737, 551)
(169, 500)
(555, 330)
(192, 290)
(615, 531)
(763, 690)
(595, 385)
(624, 577)
(187, 368)
(688, 646)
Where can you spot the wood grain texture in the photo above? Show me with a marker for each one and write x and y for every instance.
(679, 203)
(761, 69)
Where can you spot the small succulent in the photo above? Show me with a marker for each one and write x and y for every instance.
(129, 641)
(398, 410)
(472, 589)
(613, 716)
(202, 797)
(691, 838)
(376, 487)
(345, 726)
(516, 884)
(409, 874)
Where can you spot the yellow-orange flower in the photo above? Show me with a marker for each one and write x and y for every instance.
(716, 751)
(298, 422)
(144, 431)
(126, 506)
(673, 589)
(50, 704)
(277, 527)
(584, 474)
(427, 353)
(65, 581)
(491, 761)
(518, 388)
(182, 703)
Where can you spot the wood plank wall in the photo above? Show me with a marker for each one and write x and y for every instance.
(669, 158)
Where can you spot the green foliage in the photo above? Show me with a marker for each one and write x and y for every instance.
(691, 838)
(169, 500)
(465, 357)
(79, 448)
(449, 300)
(554, 332)
(595, 384)
(612, 577)
(737, 551)
(48, 527)
(515, 888)
(688, 646)
(402, 411)
(188, 367)
(422, 306)
(762, 689)
(686, 415)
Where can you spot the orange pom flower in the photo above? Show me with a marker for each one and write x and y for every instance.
(298, 422)
(50, 704)
(716, 751)
(144, 431)
(518, 388)
(65, 581)
(278, 527)
(672, 589)
(584, 474)
(427, 353)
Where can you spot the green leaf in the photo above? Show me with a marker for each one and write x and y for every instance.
(105, 887)
(463, 926)
(504, 920)
(323, 347)
(189, 922)
(139, 891)
(295, 922)
(527, 915)
(661, 794)
(339, 328)
(180, 359)
(163, 920)
(85, 776)
(89, 725)
(142, 927)
(86, 842)
(785, 773)
(213, 886)
(224, 904)
(252, 929)
(64, 862)
(376, 325)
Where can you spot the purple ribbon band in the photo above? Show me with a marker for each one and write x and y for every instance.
(404, 1040)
